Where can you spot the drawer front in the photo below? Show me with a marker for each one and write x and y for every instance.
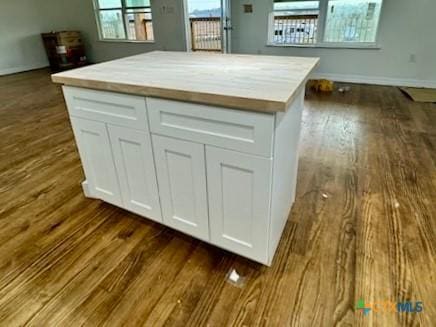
(114, 108)
(244, 131)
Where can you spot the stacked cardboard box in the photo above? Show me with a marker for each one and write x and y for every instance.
(65, 49)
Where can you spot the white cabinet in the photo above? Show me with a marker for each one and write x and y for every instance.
(114, 142)
(239, 201)
(181, 175)
(134, 162)
(225, 176)
(95, 151)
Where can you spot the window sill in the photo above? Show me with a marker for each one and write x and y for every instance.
(125, 41)
(369, 46)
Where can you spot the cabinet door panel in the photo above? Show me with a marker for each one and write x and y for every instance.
(135, 166)
(239, 201)
(181, 174)
(96, 154)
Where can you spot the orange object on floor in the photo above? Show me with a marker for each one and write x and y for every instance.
(321, 85)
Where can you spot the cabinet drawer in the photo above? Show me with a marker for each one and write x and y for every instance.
(114, 108)
(245, 131)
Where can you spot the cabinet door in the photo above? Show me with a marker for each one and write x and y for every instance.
(135, 166)
(95, 151)
(181, 175)
(239, 189)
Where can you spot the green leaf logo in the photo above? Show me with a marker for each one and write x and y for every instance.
(361, 306)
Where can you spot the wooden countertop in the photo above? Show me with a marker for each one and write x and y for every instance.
(250, 82)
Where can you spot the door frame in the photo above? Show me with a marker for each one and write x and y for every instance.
(226, 26)
(187, 26)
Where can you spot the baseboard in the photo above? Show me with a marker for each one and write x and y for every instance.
(377, 80)
(23, 68)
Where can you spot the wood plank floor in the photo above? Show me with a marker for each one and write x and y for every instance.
(363, 227)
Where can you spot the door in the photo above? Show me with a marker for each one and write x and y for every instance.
(95, 151)
(239, 192)
(208, 25)
(134, 162)
(181, 175)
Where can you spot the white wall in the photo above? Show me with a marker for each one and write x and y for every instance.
(168, 26)
(20, 40)
(406, 27)
(22, 21)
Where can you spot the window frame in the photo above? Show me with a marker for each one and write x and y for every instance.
(124, 8)
(320, 43)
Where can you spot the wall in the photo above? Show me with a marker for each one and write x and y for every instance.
(22, 21)
(20, 41)
(168, 26)
(406, 28)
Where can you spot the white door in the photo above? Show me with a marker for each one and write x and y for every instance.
(181, 175)
(135, 166)
(239, 201)
(95, 151)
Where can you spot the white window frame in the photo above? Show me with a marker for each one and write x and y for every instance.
(320, 43)
(123, 9)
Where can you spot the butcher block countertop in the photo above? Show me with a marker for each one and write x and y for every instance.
(249, 82)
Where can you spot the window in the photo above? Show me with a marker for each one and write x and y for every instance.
(124, 20)
(325, 22)
(352, 20)
(295, 22)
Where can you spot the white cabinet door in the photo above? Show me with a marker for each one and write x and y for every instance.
(239, 191)
(181, 175)
(96, 154)
(135, 166)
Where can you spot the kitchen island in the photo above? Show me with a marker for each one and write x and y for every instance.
(206, 144)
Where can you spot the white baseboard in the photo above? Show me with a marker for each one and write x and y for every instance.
(377, 80)
(19, 69)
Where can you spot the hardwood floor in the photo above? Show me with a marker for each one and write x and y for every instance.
(363, 227)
